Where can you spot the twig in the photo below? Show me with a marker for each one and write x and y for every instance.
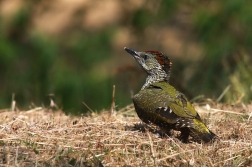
(87, 107)
(126, 154)
(197, 98)
(119, 145)
(16, 157)
(250, 115)
(27, 124)
(240, 99)
(173, 155)
(227, 160)
(237, 142)
(35, 109)
(112, 108)
(226, 111)
(13, 102)
(4, 110)
(223, 93)
(10, 139)
(128, 108)
(151, 148)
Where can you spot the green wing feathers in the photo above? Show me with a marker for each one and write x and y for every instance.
(174, 108)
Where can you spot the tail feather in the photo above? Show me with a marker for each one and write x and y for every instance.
(202, 136)
(196, 128)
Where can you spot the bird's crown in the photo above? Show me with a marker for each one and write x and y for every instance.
(162, 59)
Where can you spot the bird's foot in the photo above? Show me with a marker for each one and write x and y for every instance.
(184, 135)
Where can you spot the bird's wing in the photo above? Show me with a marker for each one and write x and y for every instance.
(182, 106)
(167, 114)
(176, 103)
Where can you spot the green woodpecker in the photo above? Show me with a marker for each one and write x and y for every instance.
(160, 103)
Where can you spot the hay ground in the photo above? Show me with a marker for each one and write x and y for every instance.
(40, 137)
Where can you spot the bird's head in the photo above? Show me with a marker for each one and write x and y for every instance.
(155, 63)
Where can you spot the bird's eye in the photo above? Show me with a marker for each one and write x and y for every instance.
(146, 57)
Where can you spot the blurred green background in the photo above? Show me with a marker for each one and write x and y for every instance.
(74, 50)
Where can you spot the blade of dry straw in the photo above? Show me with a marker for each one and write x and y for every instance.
(112, 108)
(87, 107)
(223, 93)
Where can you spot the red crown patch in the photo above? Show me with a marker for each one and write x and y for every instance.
(162, 59)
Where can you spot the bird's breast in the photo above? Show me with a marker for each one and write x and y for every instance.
(150, 99)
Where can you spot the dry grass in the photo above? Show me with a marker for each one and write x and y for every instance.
(46, 138)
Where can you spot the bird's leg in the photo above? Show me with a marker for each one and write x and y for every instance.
(167, 131)
(184, 135)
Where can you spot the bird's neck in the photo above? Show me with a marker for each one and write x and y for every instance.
(153, 77)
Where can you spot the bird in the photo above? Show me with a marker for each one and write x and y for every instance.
(161, 104)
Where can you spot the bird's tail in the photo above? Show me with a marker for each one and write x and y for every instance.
(203, 136)
(201, 132)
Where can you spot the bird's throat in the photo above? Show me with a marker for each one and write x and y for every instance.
(153, 78)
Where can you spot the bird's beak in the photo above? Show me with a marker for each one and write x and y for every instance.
(134, 53)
